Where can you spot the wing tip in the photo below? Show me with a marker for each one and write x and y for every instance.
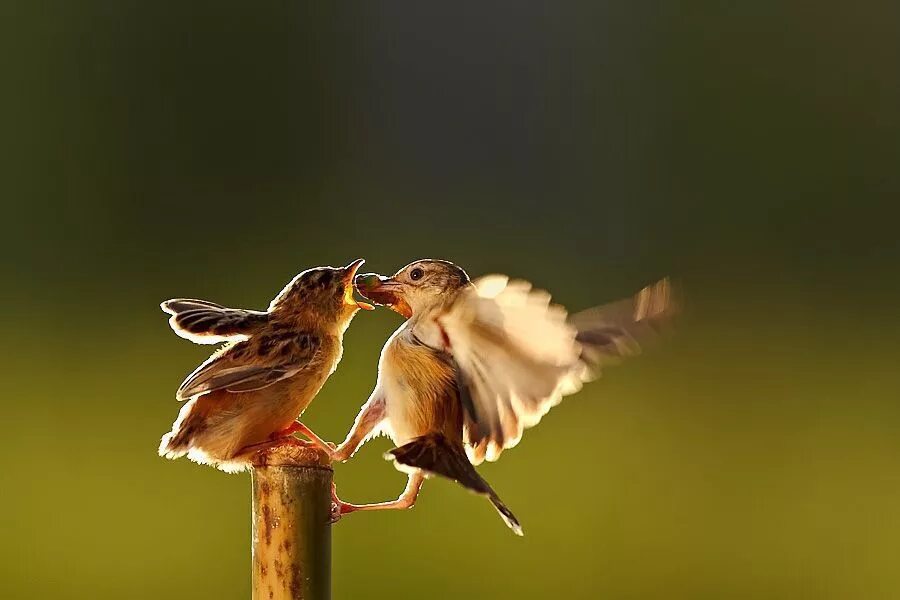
(658, 301)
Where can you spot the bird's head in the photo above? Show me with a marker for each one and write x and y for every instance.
(324, 294)
(415, 288)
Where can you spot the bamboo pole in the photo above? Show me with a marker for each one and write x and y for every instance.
(291, 528)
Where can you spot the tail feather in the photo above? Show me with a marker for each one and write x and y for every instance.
(177, 442)
(174, 445)
(435, 455)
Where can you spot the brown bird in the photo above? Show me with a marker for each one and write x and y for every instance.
(477, 363)
(248, 395)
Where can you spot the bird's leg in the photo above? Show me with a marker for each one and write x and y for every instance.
(406, 500)
(298, 427)
(286, 436)
(371, 414)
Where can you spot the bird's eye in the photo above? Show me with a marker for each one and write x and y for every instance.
(416, 274)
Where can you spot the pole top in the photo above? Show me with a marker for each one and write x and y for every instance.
(290, 455)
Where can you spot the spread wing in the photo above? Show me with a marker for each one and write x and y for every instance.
(204, 322)
(231, 371)
(518, 355)
(621, 329)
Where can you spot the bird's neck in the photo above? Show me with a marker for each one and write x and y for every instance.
(423, 327)
(305, 320)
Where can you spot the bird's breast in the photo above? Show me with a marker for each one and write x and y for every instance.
(305, 385)
(418, 389)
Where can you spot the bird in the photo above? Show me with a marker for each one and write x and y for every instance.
(476, 363)
(248, 396)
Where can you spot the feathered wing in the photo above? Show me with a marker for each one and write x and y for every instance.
(205, 322)
(223, 372)
(621, 329)
(517, 355)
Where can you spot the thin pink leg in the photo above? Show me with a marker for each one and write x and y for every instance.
(406, 500)
(298, 427)
(370, 416)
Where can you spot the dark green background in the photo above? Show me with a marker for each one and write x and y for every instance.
(214, 149)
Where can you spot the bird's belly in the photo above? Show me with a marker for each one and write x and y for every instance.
(411, 405)
(401, 413)
(239, 420)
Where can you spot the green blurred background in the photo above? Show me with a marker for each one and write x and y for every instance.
(214, 149)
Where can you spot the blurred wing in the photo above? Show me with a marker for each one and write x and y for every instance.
(516, 356)
(220, 372)
(621, 329)
(204, 322)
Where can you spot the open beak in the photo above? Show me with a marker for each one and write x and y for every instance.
(384, 291)
(349, 277)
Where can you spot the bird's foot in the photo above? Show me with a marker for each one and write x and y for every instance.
(338, 455)
(336, 513)
(330, 449)
(314, 440)
(339, 508)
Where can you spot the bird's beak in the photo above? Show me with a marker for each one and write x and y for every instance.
(350, 273)
(384, 291)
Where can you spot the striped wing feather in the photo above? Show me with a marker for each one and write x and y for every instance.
(204, 322)
(518, 354)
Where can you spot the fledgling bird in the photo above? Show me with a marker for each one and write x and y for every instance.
(476, 363)
(248, 395)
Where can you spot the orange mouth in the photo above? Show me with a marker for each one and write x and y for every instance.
(383, 292)
(349, 299)
(401, 307)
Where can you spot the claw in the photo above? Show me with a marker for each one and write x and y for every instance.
(336, 513)
(339, 508)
